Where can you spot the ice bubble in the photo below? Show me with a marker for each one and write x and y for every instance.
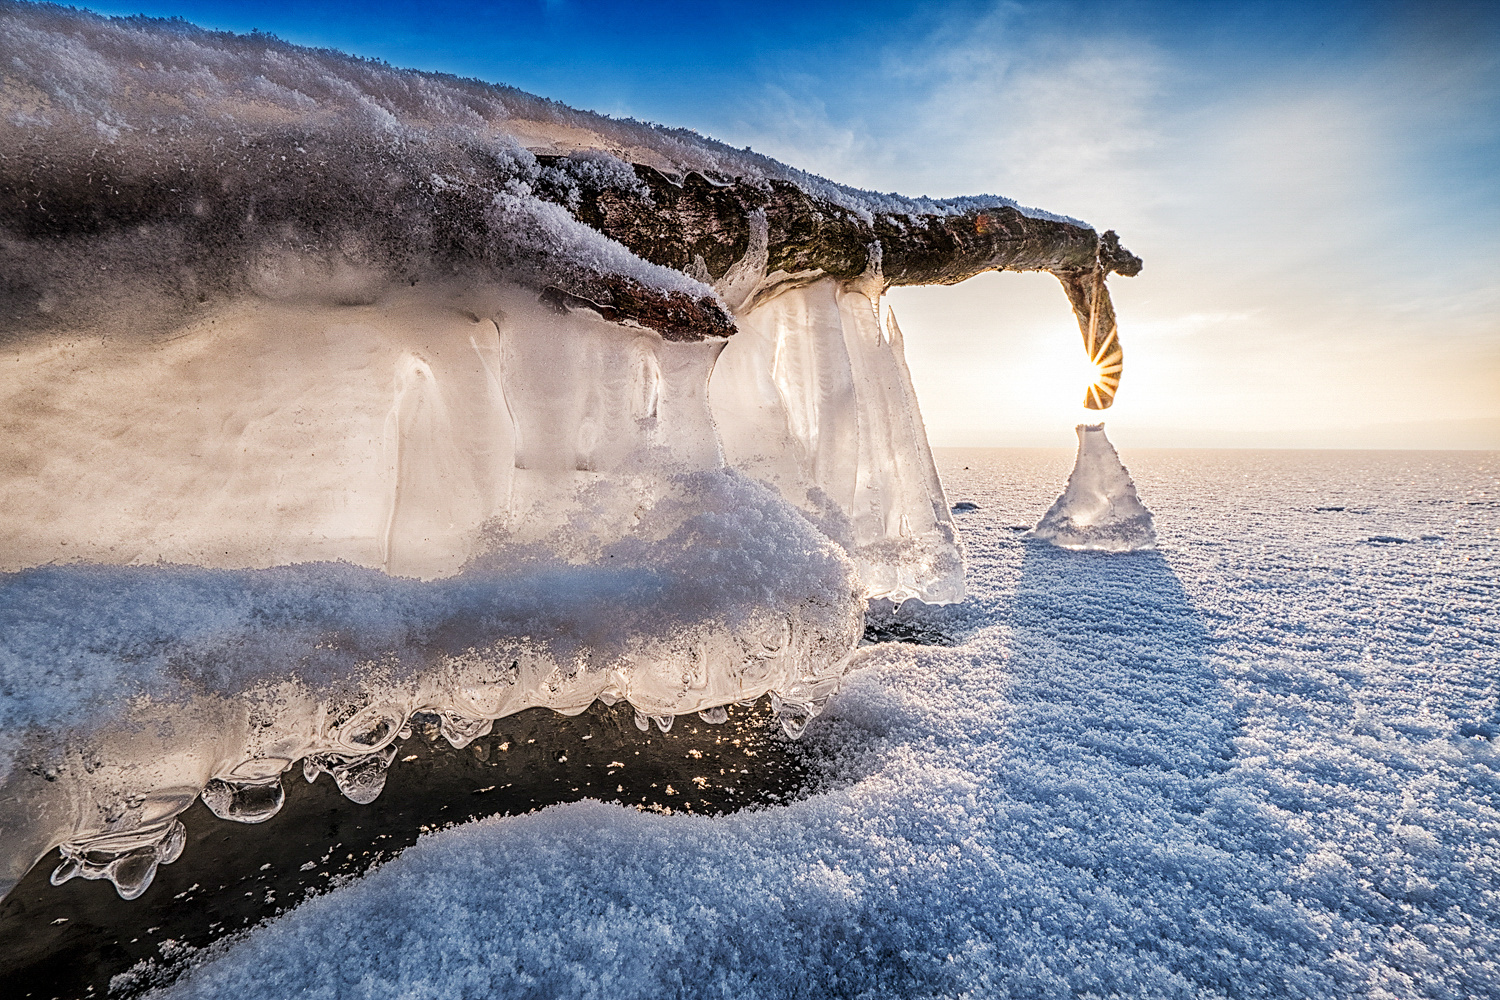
(244, 801)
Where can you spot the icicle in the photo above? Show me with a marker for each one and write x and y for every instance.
(460, 731)
(814, 395)
(361, 779)
(794, 719)
(129, 861)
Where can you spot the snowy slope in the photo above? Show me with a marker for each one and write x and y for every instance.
(1256, 762)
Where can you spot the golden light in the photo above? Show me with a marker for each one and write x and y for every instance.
(1104, 368)
(1084, 371)
(1097, 376)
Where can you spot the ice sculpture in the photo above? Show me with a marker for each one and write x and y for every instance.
(335, 392)
(1099, 510)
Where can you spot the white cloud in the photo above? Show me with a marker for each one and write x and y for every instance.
(1303, 268)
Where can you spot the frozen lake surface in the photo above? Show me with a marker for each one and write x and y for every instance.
(1258, 761)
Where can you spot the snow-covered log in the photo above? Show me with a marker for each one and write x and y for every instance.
(195, 155)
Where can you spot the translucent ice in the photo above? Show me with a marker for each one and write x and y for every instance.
(128, 860)
(1099, 510)
(813, 394)
(245, 801)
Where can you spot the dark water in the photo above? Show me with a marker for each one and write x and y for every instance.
(70, 940)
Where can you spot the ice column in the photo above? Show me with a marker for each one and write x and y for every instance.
(1099, 510)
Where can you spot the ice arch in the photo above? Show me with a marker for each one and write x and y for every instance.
(334, 392)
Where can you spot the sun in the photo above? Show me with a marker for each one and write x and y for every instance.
(1101, 373)
(1097, 378)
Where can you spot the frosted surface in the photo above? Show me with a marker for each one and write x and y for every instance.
(1099, 509)
(1259, 761)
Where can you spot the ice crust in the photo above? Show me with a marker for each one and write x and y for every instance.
(1099, 510)
(141, 687)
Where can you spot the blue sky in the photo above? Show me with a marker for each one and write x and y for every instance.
(1313, 186)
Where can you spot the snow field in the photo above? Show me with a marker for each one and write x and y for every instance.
(1258, 762)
